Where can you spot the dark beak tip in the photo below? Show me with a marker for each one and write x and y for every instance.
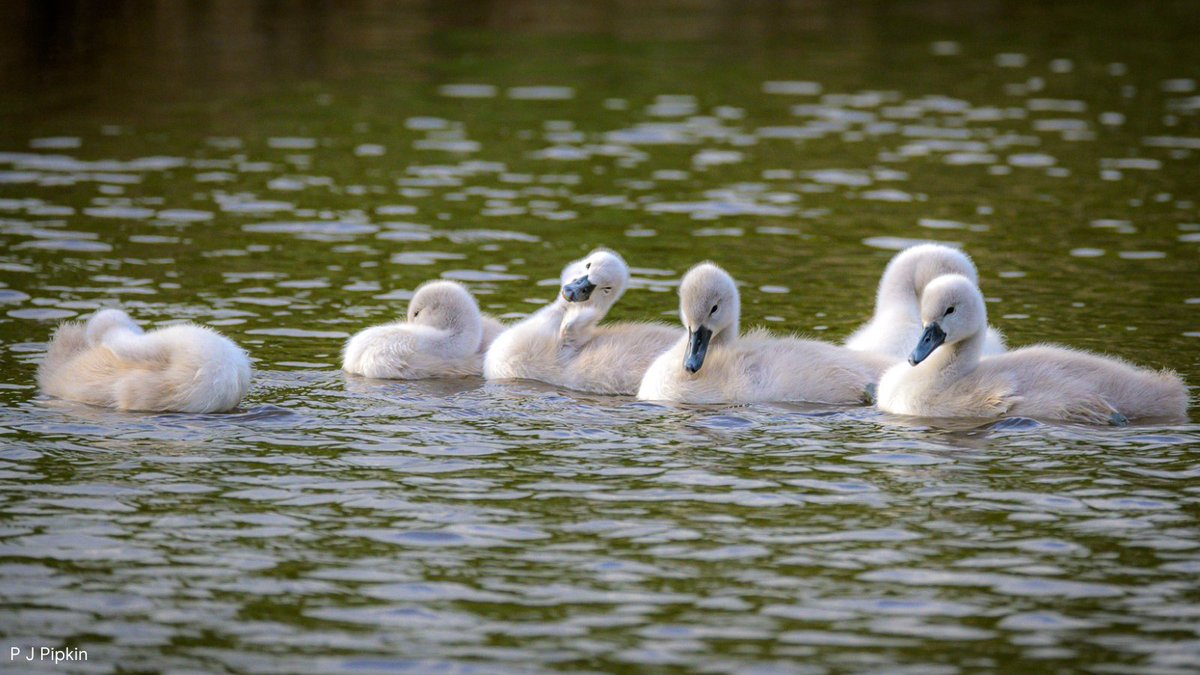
(931, 339)
(578, 290)
(697, 349)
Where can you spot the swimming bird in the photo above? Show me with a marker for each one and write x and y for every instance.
(948, 376)
(561, 343)
(110, 361)
(445, 336)
(896, 325)
(714, 364)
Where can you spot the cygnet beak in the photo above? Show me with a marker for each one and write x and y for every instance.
(931, 339)
(697, 348)
(578, 290)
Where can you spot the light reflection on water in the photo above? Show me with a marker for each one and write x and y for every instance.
(339, 523)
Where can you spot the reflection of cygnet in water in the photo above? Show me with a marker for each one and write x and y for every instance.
(445, 336)
(110, 361)
(713, 364)
(561, 344)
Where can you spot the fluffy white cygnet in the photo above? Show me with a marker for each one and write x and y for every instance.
(948, 376)
(445, 336)
(713, 364)
(896, 325)
(110, 361)
(561, 344)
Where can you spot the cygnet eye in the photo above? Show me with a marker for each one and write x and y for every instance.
(416, 313)
(607, 289)
(713, 310)
(587, 266)
(949, 310)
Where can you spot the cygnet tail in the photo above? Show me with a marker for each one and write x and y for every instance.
(1162, 395)
(69, 340)
(1147, 395)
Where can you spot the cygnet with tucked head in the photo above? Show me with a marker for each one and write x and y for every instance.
(110, 361)
(714, 364)
(445, 336)
(947, 374)
(562, 344)
(897, 322)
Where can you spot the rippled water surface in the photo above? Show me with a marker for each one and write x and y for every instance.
(290, 173)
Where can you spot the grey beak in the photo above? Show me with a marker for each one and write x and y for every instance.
(697, 348)
(931, 339)
(578, 290)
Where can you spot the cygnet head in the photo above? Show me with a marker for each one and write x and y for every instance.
(952, 310)
(600, 277)
(107, 320)
(709, 306)
(921, 264)
(445, 305)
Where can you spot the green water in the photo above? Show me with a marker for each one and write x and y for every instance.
(289, 173)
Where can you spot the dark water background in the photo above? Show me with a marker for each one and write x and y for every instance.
(289, 172)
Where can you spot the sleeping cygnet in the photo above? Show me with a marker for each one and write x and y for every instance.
(110, 361)
(713, 364)
(896, 325)
(562, 345)
(445, 336)
(947, 375)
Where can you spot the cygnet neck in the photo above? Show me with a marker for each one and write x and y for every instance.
(953, 361)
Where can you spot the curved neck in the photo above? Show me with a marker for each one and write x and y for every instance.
(553, 312)
(726, 336)
(952, 362)
(898, 290)
(585, 313)
(551, 318)
(122, 339)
